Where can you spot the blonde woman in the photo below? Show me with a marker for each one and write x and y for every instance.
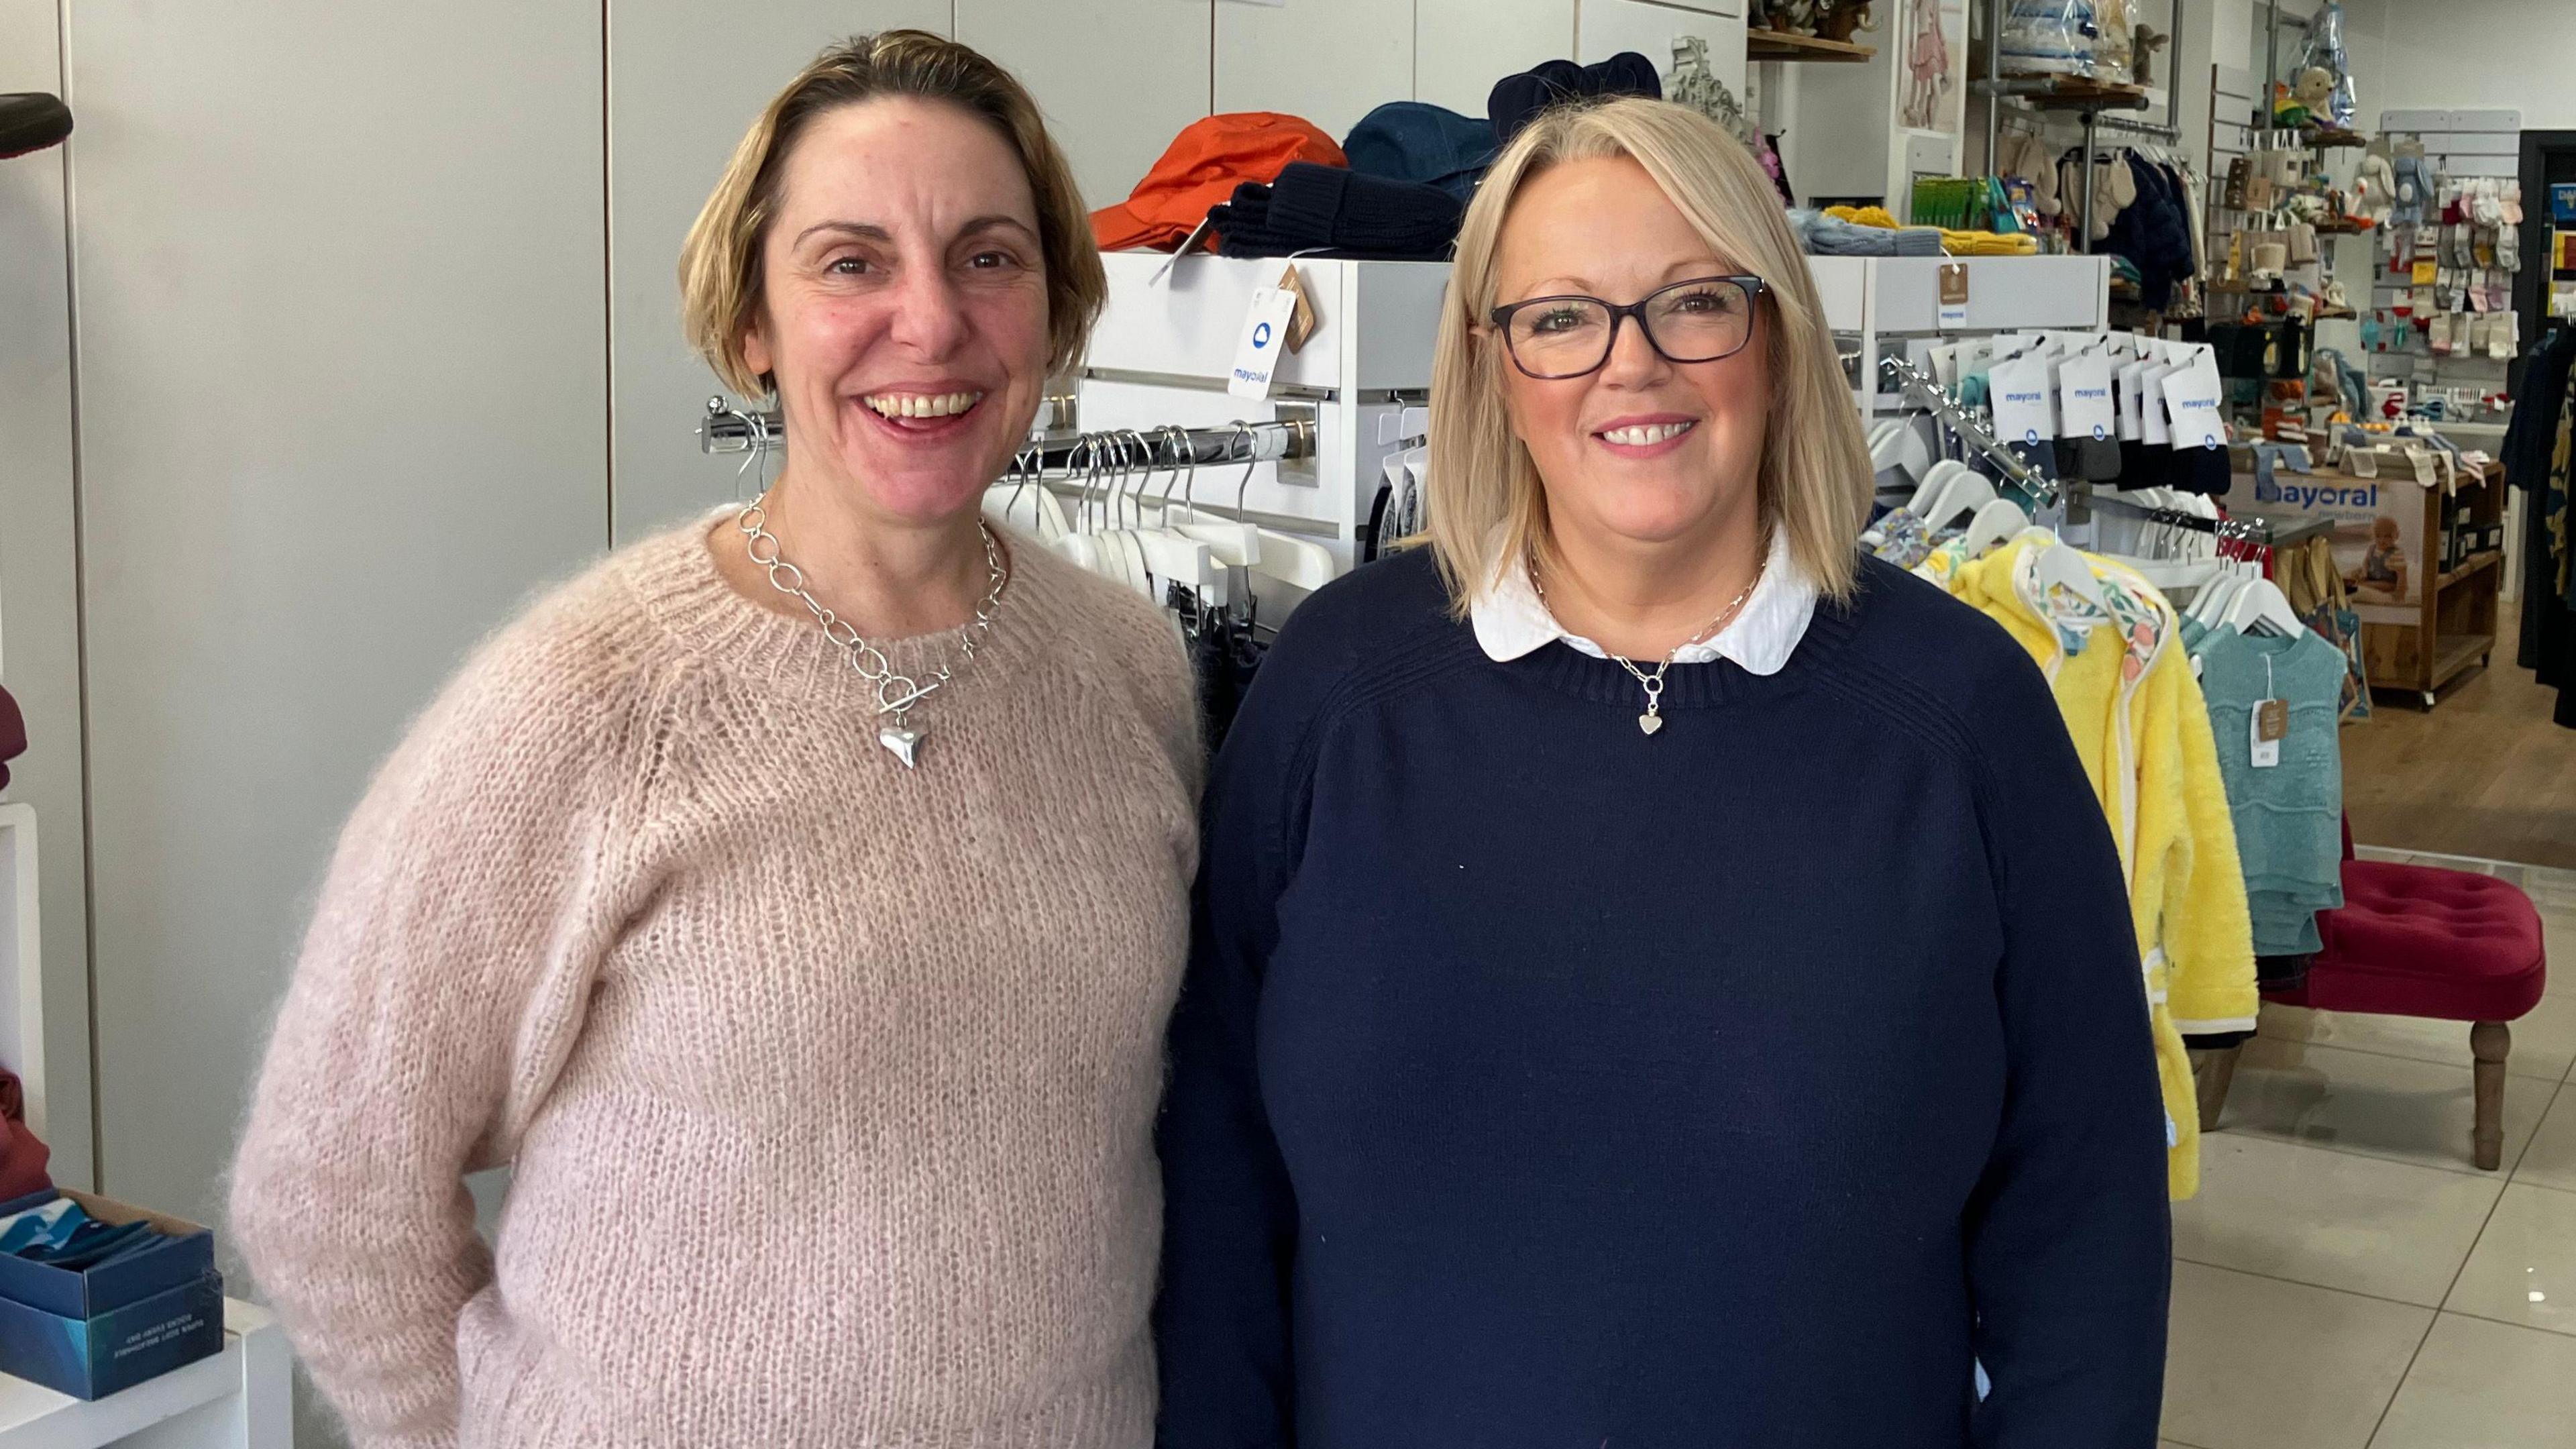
(1661, 979)
(810, 968)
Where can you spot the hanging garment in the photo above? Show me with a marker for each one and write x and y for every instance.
(2141, 727)
(2289, 813)
(2535, 450)
(2154, 232)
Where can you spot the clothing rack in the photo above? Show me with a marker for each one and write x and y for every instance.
(2259, 532)
(1969, 428)
(730, 429)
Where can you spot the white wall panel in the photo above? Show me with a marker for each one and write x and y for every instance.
(342, 386)
(1461, 47)
(1272, 58)
(1606, 27)
(39, 593)
(677, 106)
(2477, 53)
(1117, 78)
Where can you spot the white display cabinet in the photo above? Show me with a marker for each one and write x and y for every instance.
(241, 1398)
(1875, 304)
(1165, 347)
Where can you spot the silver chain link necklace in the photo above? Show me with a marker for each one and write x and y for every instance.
(1653, 719)
(896, 693)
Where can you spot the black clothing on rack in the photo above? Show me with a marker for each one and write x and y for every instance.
(2531, 442)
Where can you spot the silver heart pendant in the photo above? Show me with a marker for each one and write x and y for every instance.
(903, 744)
(1650, 722)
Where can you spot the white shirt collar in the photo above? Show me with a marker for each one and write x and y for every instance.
(1510, 621)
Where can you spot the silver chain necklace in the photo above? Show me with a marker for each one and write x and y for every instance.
(896, 693)
(1653, 719)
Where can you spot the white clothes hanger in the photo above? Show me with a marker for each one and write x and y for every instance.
(1968, 492)
(2261, 601)
(1998, 520)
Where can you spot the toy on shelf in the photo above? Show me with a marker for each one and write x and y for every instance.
(1839, 21)
(2324, 77)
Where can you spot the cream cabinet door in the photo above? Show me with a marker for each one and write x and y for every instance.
(1329, 61)
(1117, 78)
(1607, 27)
(1461, 47)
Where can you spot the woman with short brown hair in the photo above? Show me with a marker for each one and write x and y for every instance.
(794, 900)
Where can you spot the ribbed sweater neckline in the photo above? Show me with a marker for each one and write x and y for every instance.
(678, 585)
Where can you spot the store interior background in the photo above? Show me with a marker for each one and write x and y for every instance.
(343, 328)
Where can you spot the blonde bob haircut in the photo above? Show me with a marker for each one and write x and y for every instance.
(720, 263)
(1487, 507)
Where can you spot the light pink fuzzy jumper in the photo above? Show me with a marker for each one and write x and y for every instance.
(829, 1085)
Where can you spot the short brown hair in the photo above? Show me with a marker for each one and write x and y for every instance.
(720, 266)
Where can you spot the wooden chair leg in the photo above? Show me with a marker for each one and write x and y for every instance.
(2212, 1073)
(2490, 1042)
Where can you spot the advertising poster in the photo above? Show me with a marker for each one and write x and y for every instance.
(2378, 533)
(1933, 47)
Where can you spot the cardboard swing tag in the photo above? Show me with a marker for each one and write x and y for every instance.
(1264, 342)
(1954, 294)
(2270, 721)
(1301, 324)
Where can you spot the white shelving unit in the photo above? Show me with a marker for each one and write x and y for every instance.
(1879, 302)
(240, 1398)
(1165, 347)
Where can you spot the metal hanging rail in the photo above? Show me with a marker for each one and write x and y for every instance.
(1970, 428)
(2259, 531)
(730, 429)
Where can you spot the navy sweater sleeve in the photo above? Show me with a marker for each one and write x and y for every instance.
(1221, 1322)
(2068, 1234)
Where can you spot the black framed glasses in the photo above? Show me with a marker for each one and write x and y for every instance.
(1701, 320)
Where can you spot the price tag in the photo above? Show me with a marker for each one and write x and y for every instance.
(1954, 294)
(2191, 400)
(2271, 720)
(1264, 342)
(2085, 404)
(2023, 401)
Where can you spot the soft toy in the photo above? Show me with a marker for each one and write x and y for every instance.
(2143, 50)
(2374, 187)
(2414, 188)
(1794, 17)
(1837, 22)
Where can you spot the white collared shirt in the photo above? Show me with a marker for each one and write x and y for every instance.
(1511, 621)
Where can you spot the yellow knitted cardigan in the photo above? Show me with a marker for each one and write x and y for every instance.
(2147, 747)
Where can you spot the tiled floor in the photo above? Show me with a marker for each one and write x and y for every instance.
(2346, 1279)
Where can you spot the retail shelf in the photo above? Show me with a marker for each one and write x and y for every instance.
(2327, 138)
(238, 1399)
(2344, 226)
(2471, 567)
(2067, 93)
(2454, 653)
(1781, 45)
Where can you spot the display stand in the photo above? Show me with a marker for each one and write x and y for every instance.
(1779, 45)
(1875, 302)
(240, 1398)
(1165, 347)
(2456, 623)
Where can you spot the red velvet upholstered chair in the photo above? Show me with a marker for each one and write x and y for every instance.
(2416, 940)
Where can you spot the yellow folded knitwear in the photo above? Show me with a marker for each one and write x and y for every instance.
(1956, 243)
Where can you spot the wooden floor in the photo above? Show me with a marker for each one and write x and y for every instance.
(2483, 773)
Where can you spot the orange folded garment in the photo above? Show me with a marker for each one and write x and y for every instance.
(1205, 162)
